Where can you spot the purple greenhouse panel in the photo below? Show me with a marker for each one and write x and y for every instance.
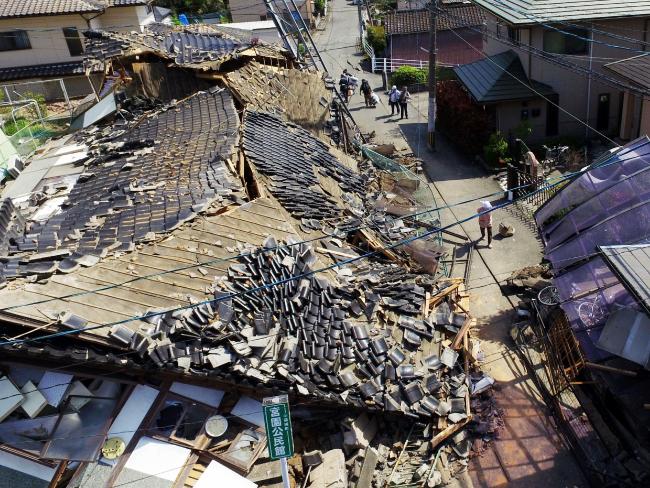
(627, 227)
(629, 163)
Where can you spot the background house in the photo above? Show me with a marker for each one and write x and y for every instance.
(635, 116)
(408, 34)
(255, 10)
(554, 42)
(42, 39)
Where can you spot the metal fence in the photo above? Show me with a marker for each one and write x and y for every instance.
(428, 216)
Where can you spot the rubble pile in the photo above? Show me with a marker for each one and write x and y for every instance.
(273, 321)
(143, 180)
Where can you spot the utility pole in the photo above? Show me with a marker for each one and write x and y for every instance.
(431, 122)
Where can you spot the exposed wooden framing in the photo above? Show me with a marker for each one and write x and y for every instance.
(462, 333)
(610, 369)
(449, 431)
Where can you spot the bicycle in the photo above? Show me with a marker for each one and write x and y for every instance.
(549, 296)
(592, 312)
(554, 157)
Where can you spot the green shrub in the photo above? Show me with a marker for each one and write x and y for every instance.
(496, 150)
(408, 75)
(319, 6)
(11, 127)
(377, 38)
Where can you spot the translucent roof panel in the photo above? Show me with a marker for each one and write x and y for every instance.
(613, 184)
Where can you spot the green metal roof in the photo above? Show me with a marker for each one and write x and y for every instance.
(534, 11)
(500, 78)
(635, 69)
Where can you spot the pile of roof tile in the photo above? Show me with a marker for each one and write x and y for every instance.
(138, 182)
(293, 159)
(274, 321)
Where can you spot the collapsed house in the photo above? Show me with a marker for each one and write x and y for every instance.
(186, 257)
(591, 326)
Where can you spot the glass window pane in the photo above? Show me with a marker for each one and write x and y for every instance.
(80, 435)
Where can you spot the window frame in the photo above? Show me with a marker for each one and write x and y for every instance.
(562, 39)
(71, 41)
(19, 35)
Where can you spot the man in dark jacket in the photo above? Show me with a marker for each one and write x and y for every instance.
(367, 92)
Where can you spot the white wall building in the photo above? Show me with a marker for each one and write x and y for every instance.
(41, 39)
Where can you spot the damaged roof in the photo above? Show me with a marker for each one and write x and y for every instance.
(141, 180)
(50, 69)
(183, 47)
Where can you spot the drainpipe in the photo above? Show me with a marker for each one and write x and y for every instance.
(591, 52)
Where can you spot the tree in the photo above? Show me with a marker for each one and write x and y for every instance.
(193, 7)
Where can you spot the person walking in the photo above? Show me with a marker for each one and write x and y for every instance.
(343, 85)
(485, 221)
(367, 91)
(393, 100)
(404, 98)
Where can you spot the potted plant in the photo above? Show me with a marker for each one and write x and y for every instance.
(496, 151)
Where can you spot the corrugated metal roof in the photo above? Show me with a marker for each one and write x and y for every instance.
(632, 266)
(636, 69)
(533, 11)
(412, 21)
(500, 78)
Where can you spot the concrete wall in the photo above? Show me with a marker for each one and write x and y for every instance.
(247, 10)
(576, 94)
(451, 49)
(124, 19)
(510, 115)
(255, 10)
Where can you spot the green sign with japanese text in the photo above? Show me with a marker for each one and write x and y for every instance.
(277, 420)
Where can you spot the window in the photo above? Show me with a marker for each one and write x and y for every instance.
(575, 42)
(73, 40)
(14, 40)
(513, 35)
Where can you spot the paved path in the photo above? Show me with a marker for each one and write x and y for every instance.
(529, 452)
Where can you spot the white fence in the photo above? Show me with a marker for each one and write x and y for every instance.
(389, 65)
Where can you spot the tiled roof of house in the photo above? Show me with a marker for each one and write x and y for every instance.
(534, 11)
(412, 21)
(636, 69)
(30, 8)
(39, 70)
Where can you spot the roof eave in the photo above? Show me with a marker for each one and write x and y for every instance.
(526, 22)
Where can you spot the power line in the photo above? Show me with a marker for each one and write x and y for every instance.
(556, 59)
(486, 57)
(275, 248)
(541, 22)
(276, 283)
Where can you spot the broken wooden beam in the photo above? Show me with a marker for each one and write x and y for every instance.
(449, 431)
(610, 369)
(460, 335)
